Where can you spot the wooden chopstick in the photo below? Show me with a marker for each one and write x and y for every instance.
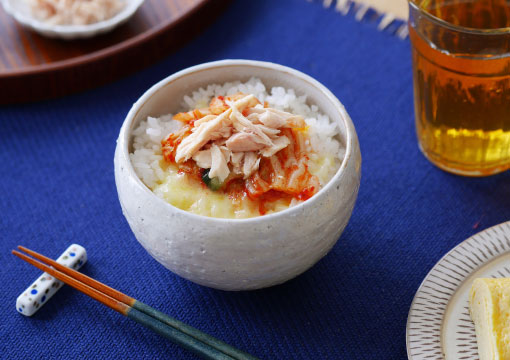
(188, 337)
(140, 306)
(188, 342)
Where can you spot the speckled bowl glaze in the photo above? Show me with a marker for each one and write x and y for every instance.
(237, 254)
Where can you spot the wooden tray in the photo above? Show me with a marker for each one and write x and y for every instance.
(33, 67)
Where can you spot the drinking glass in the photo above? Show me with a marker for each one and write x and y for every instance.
(461, 72)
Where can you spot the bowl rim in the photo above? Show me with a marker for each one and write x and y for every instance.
(133, 112)
(73, 30)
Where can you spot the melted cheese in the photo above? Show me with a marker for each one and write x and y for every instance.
(489, 306)
(189, 194)
(322, 167)
(186, 193)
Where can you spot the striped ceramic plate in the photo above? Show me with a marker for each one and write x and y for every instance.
(438, 324)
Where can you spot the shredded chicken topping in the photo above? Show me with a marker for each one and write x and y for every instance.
(74, 12)
(248, 147)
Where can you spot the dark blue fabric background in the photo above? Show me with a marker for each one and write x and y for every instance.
(57, 187)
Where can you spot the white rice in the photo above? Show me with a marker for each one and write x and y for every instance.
(324, 134)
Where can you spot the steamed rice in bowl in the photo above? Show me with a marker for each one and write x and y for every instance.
(286, 153)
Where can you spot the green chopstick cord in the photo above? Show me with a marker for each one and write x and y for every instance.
(199, 336)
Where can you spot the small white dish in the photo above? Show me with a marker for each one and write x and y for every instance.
(237, 254)
(438, 325)
(20, 11)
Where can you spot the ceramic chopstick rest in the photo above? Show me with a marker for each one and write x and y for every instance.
(38, 294)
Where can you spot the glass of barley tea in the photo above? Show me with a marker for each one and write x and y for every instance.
(461, 66)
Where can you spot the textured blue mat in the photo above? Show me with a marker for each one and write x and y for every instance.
(58, 187)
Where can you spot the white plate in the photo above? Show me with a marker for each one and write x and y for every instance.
(20, 11)
(438, 324)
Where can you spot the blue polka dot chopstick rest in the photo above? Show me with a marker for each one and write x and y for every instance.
(38, 294)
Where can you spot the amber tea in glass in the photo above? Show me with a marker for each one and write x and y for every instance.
(461, 65)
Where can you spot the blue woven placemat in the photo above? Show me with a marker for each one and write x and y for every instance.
(58, 187)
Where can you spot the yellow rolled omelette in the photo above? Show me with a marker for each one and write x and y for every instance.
(489, 307)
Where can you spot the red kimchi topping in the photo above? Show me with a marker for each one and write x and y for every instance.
(254, 151)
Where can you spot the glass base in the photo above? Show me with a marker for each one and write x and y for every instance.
(460, 169)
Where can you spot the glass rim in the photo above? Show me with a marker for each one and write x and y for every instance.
(464, 29)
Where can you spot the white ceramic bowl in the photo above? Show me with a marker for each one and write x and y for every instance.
(237, 254)
(20, 11)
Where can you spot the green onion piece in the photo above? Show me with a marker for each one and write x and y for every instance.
(214, 184)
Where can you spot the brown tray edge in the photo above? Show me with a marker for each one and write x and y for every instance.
(43, 81)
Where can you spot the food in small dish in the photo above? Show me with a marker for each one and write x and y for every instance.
(74, 12)
(50, 21)
(489, 307)
(237, 151)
